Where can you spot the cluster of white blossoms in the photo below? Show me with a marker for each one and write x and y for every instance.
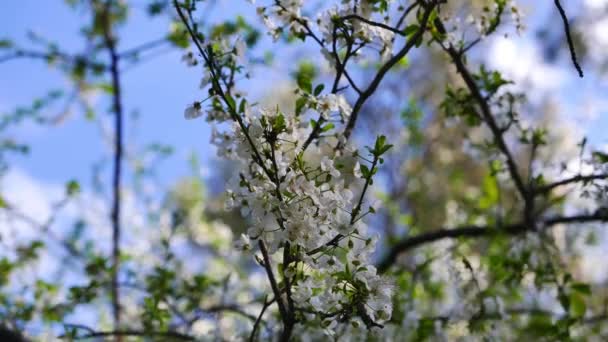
(296, 198)
(288, 15)
(359, 16)
(296, 189)
(301, 200)
(484, 21)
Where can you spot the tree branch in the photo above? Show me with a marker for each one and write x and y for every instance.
(50, 56)
(488, 117)
(476, 232)
(562, 13)
(259, 319)
(273, 284)
(517, 312)
(373, 23)
(110, 43)
(138, 333)
(384, 69)
(218, 88)
(567, 181)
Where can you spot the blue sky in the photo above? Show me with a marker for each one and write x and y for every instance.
(158, 89)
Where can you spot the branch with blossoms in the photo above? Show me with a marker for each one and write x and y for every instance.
(306, 221)
(298, 207)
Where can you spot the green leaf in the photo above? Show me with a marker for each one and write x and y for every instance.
(318, 89)
(300, 103)
(381, 146)
(242, 106)
(327, 127)
(72, 188)
(564, 300)
(278, 123)
(5, 43)
(156, 7)
(490, 192)
(581, 288)
(365, 171)
(577, 305)
(178, 35)
(404, 62)
(231, 102)
(304, 75)
(106, 87)
(313, 123)
(410, 30)
(600, 157)
(305, 84)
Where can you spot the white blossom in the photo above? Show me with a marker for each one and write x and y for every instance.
(193, 111)
(243, 243)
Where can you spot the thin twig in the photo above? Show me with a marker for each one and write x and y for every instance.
(373, 23)
(54, 55)
(259, 318)
(567, 181)
(562, 13)
(405, 13)
(138, 333)
(118, 152)
(132, 52)
(273, 283)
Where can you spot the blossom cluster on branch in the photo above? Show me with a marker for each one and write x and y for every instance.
(290, 181)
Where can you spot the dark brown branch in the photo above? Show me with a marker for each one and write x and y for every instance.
(230, 308)
(138, 333)
(517, 312)
(477, 232)
(568, 181)
(488, 117)
(368, 180)
(273, 283)
(373, 23)
(562, 13)
(110, 43)
(574, 219)
(405, 13)
(259, 319)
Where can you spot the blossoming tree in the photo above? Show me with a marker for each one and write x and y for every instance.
(313, 261)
